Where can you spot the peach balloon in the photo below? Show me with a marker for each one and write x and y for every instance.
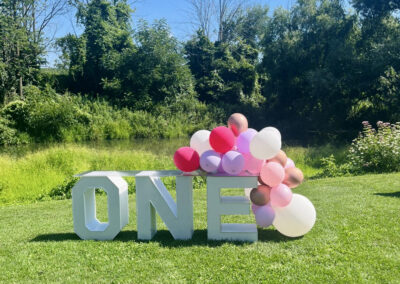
(293, 177)
(260, 195)
(237, 122)
(280, 158)
(272, 174)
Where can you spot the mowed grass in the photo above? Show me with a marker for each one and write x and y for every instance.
(356, 239)
(28, 177)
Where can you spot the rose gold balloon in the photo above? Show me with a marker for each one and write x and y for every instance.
(260, 195)
(237, 122)
(280, 158)
(293, 177)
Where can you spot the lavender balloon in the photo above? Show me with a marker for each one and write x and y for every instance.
(233, 162)
(265, 215)
(243, 141)
(210, 161)
(254, 208)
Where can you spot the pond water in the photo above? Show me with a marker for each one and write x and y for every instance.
(155, 146)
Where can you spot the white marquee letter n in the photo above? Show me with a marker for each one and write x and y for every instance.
(152, 195)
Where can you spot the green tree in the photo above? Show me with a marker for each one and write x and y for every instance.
(156, 70)
(94, 57)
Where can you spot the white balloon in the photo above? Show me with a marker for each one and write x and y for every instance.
(295, 219)
(200, 141)
(265, 145)
(273, 129)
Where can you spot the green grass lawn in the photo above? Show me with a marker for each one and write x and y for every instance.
(29, 176)
(356, 239)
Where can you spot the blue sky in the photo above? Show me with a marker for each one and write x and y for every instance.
(175, 12)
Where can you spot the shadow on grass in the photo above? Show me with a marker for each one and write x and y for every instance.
(165, 239)
(389, 194)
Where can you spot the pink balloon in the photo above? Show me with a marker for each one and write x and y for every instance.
(222, 139)
(265, 215)
(272, 174)
(281, 195)
(186, 159)
(251, 164)
(233, 162)
(289, 164)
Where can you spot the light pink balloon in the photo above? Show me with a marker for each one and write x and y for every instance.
(265, 216)
(281, 195)
(289, 164)
(251, 164)
(272, 174)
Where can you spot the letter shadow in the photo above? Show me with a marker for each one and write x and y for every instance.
(164, 238)
(388, 194)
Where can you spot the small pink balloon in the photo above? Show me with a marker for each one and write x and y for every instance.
(265, 216)
(233, 162)
(281, 195)
(251, 164)
(289, 164)
(272, 174)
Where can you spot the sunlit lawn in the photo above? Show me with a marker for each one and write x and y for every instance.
(356, 239)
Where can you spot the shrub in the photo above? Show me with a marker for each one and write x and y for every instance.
(330, 168)
(62, 191)
(8, 135)
(376, 150)
(17, 113)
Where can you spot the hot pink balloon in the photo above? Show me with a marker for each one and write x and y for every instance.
(243, 141)
(289, 164)
(186, 159)
(251, 164)
(233, 162)
(222, 139)
(265, 215)
(281, 195)
(272, 174)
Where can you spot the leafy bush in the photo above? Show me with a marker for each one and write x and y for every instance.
(376, 150)
(373, 151)
(17, 113)
(8, 135)
(47, 116)
(64, 190)
(330, 168)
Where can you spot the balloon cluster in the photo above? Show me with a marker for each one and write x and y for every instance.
(239, 150)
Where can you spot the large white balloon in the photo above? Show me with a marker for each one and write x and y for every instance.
(200, 141)
(295, 219)
(265, 145)
(273, 129)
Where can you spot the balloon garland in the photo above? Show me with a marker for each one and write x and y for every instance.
(238, 150)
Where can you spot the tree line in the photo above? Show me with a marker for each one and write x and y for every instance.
(315, 71)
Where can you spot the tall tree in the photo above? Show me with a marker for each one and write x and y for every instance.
(95, 56)
(202, 14)
(376, 8)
